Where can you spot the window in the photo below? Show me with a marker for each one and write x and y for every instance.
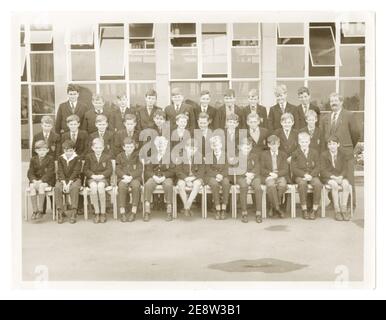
(352, 32)
(24, 97)
(83, 65)
(214, 50)
(82, 37)
(142, 65)
(41, 38)
(183, 35)
(183, 63)
(353, 61)
(141, 36)
(111, 91)
(42, 67)
(320, 92)
(216, 89)
(292, 90)
(290, 61)
(242, 89)
(191, 90)
(290, 33)
(43, 99)
(353, 92)
(137, 93)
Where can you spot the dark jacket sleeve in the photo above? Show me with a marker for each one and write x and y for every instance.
(325, 172)
(60, 171)
(120, 164)
(170, 172)
(316, 171)
(180, 172)
(137, 173)
(31, 170)
(283, 168)
(109, 168)
(296, 170)
(76, 170)
(87, 167)
(264, 171)
(49, 172)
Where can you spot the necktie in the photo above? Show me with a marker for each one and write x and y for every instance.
(177, 108)
(274, 162)
(282, 108)
(305, 153)
(149, 111)
(305, 110)
(333, 122)
(73, 137)
(286, 133)
(46, 137)
(72, 107)
(333, 160)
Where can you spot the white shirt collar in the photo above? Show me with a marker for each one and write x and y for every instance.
(72, 157)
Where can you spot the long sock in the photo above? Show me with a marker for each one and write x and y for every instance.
(102, 198)
(95, 203)
(41, 201)
(34, 201)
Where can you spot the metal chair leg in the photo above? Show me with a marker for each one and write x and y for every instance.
(85, 203)
(264, 204)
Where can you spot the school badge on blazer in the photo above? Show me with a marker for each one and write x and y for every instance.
(104, 164)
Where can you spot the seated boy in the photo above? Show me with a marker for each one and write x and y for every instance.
(48, 136)
(288, 135)
(311, 128)
(102, 133)
(89, 117)
(130, 131)
(129, 171)
(119, 112)
(189, 175)
(274, 171)
(69, 167)
(257, 135)
(79, 137)
(251, 178)
(216, 176)
(334, 173)
(159, 172)
(98, 170)
(305, 165)
(41, 174)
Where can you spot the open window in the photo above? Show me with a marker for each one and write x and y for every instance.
(352, 32)
(141, 35)
(183, 35)
(290, 33)
(82, 37)
(41, 38)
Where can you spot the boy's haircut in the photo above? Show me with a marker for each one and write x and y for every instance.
(151, 92)
(233, 117)
(303, 90)
(73, 117)
(159, 113)
(47, 119)
(273, 139)
(253, 93)
(215, 139)
(40, 144)
(130, 116)
(182, 115)
(253, 115)
(333, 138)
(100, 118)
(335, 94)
(287, 115)
(176, 91)
(204, 92)
(121, 96)
(68, 144)
(128, 140)
(304, 135)
(98, 141)
(280, 89)
(203, 115)
(72, 87)
(96, 97)
(229, 93)
(311, 113)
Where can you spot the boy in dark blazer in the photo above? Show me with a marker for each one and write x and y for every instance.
(178, 106)
(89, 117)
(130, 131)
(205, 107)
(145, 114)
(334, 173)
(159, 172)
(231, 134)
(68, 108)
(229, 107)
(305, 106)
(41, 174)
(257, 134)
(275, 172)
(251, 178)
(305, 166)
(216, 176)
(98, 170)
(287, 135)
(69, 167)
(106, 135)
(281, 107)
(313, 130)
(79, 137)
(119, 111)
(204, 135)
(48, 136)
(129, 171)
(254, 108)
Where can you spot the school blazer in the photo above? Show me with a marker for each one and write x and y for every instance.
(261, 111)
(129, 165)
(108, 139)
(266, 164)
(261, 144)
(327, 169)
(70, 171)
(253, 165)
(210, 111)
(144, 120)
(215, 168)
(118, 138)
(89, 120)
(43, 170)
(301, 117)
(159, 169)
(184, 108)
(316, 138)
(53, 143)
(117, 118)
(301, 165)
(220, 119)
(288, 146)
(275, 116)
(186, 170)
(347, 129)
(92, 166)
(81, 143)
(65, 111)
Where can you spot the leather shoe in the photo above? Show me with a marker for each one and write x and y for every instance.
(223, 215)
(338, 216)
(313, 215)
(244, 218)
(259, 219)
(306, 216)
(60, 216)
(146, 217)
(96, 218)
(169, 217)
(281, 213)
(131, 217)
(346, 216)
(123, 217)
(73, 217)
(103, 218)
(217, 216)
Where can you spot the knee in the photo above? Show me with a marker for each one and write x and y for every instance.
(181, 185)
(197, 183)
(101, 187)
(333, 184)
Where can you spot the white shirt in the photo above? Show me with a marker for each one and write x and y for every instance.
(74, 135)
(287, 133)
(337, 116)
(218, 156)
(255, 134)
(306, 108)
(333, 158)
(282, 107)
(305, 152)
(73, 104)
(204, 109)
(46, 135)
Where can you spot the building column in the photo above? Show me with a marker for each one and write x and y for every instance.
(162, 63)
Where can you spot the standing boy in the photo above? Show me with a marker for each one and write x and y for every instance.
(229, 107)
(146, 113)
(130, 131)
(305, 106)
(89, 118)
(51, 138)
(79, 137)
(119, 111)
(104, 134)
(254, 108)
(257, 134)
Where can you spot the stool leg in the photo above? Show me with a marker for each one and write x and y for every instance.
(205, 196)
(293, 203)
(202, 203)
(114, 201)
(323, 200)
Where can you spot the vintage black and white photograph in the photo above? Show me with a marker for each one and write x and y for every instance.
(202, 147)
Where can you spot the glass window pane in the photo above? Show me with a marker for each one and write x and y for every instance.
(353, 92)
(191, 90)
(83, 65)
(183, 42)
(242, 89)
(24, 122)
(41, 38)
(320, 92)
(142, 65)
(353, 29)
(82, 37)
(214, 54)
(111, 53)
(216, 90)
(292, 90)
(183, 29)
(183, 64)
(111, 91)
(353, 61)
(245, 63)
(214, 28)
(141, 30)
(290, 61)
(43, 99)
(246, 31)
(42, 67)
(137, 93)
(23, 63)
(291, 30)
(322, 46)
(141, 44)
